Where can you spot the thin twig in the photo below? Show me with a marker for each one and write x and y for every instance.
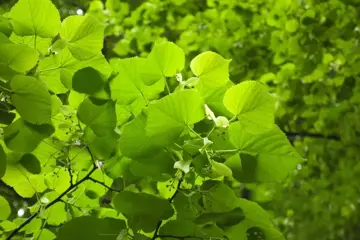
(58, 199)
(185, 237)
(313, 135)
(103, 184)
(171, 199)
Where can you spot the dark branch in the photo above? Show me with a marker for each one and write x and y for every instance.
(103, 184)
(182, 237)
(294, 135)
(158, 225)
(58, 199)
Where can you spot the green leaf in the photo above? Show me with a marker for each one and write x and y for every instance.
(56, 215)
(84, 36)
(45, 234)
(143, 210)
(31, 99)
(18, 57)
(167, 58)
(174, 112)
(102, 147)
(252, 104)
(96, 229)
(87, 80)
(218, 197)
(5, 209)
(35, 17)
(134, 142)
(211, 68)
(30, 163)
(180, 229)
(257, 217)
(222, 219)
(291, 25)
(35, 42)
(5, 26)
(3, 161)
(58, 70)
(98, 115)
(56, 105)
(80, 159)
(23, 182)
(128, 85)
(272, 156)
(21, 136)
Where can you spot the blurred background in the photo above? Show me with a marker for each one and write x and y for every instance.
(306, 51)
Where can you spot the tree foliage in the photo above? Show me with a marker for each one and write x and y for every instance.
(124, 122)
(53, 150)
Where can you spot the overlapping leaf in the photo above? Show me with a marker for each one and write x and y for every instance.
(35, 17)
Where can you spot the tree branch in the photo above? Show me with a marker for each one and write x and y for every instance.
(58, 199)
(158, 225)
(103, 184)
(293, 135)
(185, 237)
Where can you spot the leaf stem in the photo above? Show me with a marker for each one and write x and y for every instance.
(227, 151)
(193, 131)
(6, 89)
(103, 184)
(167, 87)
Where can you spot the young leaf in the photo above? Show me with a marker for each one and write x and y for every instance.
(84, 36)
(167, 58)
(174, 112)
(252, 104)
(31, 99)
(98, 115)
(273, 156)
(35, 17)
(211, 68)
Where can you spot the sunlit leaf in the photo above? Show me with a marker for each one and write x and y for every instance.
(35, 17)
(31, 99)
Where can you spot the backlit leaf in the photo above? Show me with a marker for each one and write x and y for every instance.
(31, 99)
(35, 17)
